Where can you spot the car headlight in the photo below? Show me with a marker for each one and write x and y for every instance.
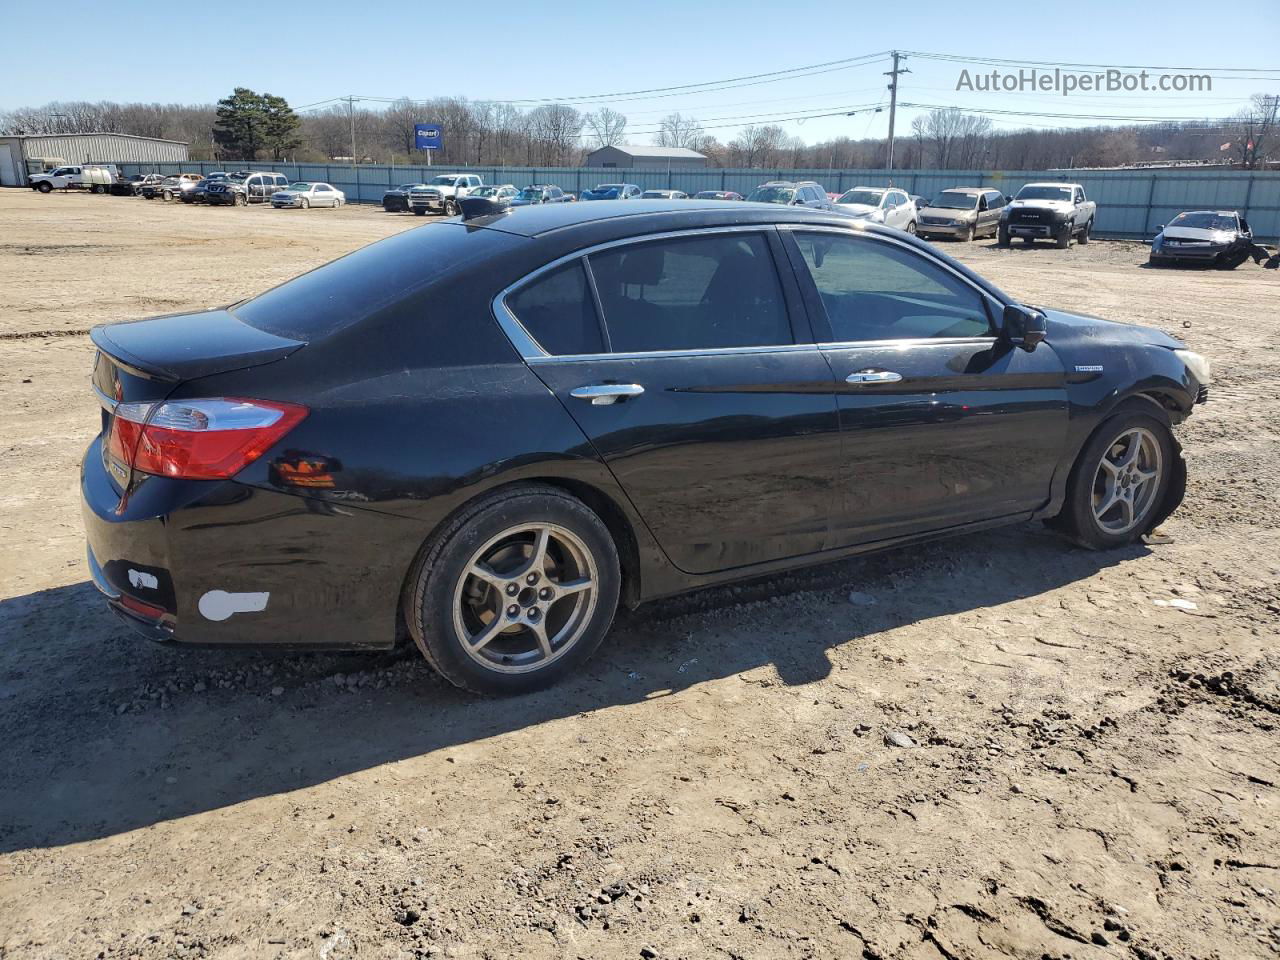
(1197, 364)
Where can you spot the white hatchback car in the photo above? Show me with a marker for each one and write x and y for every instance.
(308, 193)
(891, 206)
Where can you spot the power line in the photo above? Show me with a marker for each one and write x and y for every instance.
(998, 61)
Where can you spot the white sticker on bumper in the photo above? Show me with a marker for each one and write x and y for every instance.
(143, 581)
(219, 605)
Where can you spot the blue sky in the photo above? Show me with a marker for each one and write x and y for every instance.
(572, 50)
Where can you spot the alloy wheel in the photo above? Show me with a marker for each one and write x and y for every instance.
(1127, 481)
(525, 598)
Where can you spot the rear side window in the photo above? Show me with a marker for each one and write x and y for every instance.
(557, 311)
(691, 293)
(879, 291)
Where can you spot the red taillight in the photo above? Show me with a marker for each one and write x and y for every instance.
(205, 439)
(148, 610)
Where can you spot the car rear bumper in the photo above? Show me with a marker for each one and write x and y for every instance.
(222, 563)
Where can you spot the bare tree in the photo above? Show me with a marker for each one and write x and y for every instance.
(608, 127)
(1257, 124)
(957, 140)
(675, 130)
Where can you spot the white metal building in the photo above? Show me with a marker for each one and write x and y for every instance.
(24, 155)
(647, 158)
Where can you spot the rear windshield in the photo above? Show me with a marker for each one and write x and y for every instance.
(320, 303)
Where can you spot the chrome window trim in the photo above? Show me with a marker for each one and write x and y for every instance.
(106, 402)
(532, 351)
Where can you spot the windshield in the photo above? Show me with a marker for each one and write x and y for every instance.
(531, 193)
(869, 198)
(1204, 221)
(1044, 193)
(445, 181)
(772, 195)
(607, 187)
(300, 186)
(406, 186)
(656, 194)
(954, 200)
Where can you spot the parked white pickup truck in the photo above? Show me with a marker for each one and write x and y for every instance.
(442, 193)
(97, 177)
(1048, 211)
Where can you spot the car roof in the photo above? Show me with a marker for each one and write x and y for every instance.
(972, 191)
(1216, 213)
(657, 217)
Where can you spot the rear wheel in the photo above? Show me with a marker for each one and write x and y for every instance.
(1118, 482)
(96, 188)
(515, 593)
(1084, 234)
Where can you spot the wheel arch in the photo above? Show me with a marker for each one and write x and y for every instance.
(615, 518)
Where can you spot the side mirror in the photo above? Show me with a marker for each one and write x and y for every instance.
(1159, 227)
(1024, 326)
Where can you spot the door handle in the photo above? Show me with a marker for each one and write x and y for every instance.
(602, 393)
(874, 376)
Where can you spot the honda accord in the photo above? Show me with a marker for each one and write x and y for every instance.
(490, 431)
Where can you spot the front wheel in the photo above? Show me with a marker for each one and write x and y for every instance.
(911, 228)
(1002, 237)
(1063, 240)
(419, 212)
(305, 204)
(1118, 482)
(515, 593)
(451, 208)
(44, 186)
(970, 234)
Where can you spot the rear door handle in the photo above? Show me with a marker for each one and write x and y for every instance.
(602, 393)
(874, 376)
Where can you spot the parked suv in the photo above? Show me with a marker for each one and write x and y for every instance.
(242, 190)
(443, 193)
(612, 191)
(540, 193)
(804, 193)
(962, 213)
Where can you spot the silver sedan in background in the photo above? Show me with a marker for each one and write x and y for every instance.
(308, 193)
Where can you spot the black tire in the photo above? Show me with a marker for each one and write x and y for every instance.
(96, 188)
(1063, 239)
(44, 186)
(970, 234)
(419, 212)
(450, 207)
(166, 196)
(242, 200)
(911, 228)
(1084, 234)
(438, 580)
(1077, 520)
(1002, 237)
(304, 203)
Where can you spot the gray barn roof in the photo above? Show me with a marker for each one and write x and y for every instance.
(662, 152)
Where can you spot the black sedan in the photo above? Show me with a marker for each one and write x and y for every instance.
(1219, 238)
(492, 430)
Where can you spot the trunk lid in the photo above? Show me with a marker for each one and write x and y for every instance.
(184, 346)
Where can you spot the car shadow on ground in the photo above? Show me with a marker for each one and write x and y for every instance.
(76, 768)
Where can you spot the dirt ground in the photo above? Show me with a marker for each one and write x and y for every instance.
(1086, 771)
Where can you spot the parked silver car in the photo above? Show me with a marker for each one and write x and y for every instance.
(664, 195)
(308, 193)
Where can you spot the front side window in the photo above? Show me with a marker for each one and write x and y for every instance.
(557, 310)
(873, 290)
(692, 293)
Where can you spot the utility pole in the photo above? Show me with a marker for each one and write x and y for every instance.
(893, 98)
(351, 115)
